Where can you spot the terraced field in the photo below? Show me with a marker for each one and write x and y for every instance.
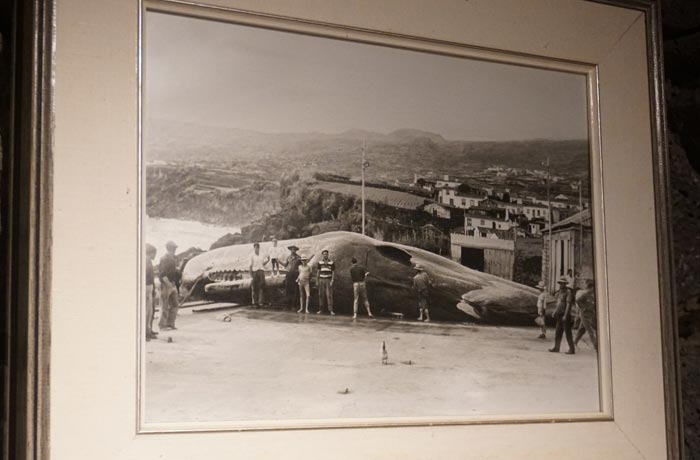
(393, 198)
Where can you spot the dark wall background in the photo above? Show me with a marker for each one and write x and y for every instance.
(681, 33)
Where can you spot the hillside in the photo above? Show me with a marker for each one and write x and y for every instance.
(394, 156)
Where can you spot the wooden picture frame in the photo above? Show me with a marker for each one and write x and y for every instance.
(37, 268)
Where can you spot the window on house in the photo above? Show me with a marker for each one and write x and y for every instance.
(452, 202)
(482, 222)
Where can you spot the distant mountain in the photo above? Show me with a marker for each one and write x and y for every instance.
(396, 155)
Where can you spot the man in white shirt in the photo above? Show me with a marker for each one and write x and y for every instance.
(571, 280)
(257, 275)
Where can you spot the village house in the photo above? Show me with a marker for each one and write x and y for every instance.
(536, 226)
(437, 210)
(534, 211)
(516, 199)
(528, 209)
(474, 221)
(570, 248)
(486, 249)
(425, 184)
(456, 199)
(447, 182)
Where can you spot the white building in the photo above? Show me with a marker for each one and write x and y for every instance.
(534, 211)
(528, 209)
(535, 227)
(484, 253)
(436, 210)
(472, 222)
(446, 182)
(452, 197)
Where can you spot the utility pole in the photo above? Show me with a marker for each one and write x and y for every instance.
(580, 222)
(549, 226)
(365, 164)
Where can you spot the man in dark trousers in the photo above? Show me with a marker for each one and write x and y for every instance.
(325, 279)
(421, 284)
(150, 291)
(358, 274)
(565, 303)
(290, 280)
(169, 287)
(585, 299)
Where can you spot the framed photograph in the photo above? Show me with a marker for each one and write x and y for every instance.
(408, 229)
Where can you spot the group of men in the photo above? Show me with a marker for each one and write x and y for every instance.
(169, 275)
(569, 304)
(569, 301)
(298, 280)
(297, 274)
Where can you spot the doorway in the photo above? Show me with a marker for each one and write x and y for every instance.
(472, 258)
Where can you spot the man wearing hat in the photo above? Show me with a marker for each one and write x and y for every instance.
(290, 281)
(150, 289)
(169, 284)
(585, 299)
(421, 284)
(541, 310)
(325, 278)
(565, 301)
(257, 275)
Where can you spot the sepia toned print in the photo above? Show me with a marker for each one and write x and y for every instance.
(342, 230)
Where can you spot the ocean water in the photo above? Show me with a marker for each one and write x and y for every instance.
(185, 233)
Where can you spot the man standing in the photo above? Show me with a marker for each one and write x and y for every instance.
(358, 274)
(304, 282)
(565, 301)
(290, 281)
(542, 310)
(257, 275)
(169, 286)
(570, 279)
(421, 284)
(325, 279)
(277, 254)
(150, 289)
(585, 299)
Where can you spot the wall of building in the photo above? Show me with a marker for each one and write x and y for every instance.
(567, 253)
(499, 262)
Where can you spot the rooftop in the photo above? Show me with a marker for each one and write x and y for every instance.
(583, 217)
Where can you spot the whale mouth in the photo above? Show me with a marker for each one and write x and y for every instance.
(472, 310)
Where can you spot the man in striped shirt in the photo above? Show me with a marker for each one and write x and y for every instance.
(324, 279)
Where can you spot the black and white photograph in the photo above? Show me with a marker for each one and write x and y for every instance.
(337, 230)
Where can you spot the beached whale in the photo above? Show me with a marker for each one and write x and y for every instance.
(458, 293)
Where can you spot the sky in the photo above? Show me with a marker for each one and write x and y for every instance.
(218, 74)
